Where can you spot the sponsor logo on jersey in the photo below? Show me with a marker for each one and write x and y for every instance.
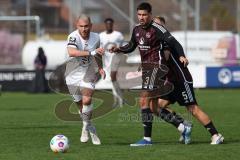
(145, 48)
(141, 41)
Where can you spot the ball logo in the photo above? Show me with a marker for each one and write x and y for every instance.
(225, 76)
(60, 144)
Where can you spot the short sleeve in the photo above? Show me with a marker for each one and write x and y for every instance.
(98, 41)
(121, 38)
(72, 41)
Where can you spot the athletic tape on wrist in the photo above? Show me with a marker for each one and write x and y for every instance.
(92, 53)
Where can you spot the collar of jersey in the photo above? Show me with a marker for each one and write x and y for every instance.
(148, 25)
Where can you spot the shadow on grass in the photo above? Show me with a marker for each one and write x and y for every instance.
(232, 141)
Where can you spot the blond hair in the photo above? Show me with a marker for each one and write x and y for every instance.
(84, 17)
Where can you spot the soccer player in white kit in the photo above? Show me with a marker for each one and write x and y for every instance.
(109, 38)
(81, 72)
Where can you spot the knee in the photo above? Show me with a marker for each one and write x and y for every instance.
(193, 109)
(86, 100)
(113, 79)
(143, 101)
(163, 103)
(113, 76)
(153, 106)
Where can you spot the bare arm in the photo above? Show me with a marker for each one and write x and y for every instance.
(72, 47)
(74, 52)
(98, 59)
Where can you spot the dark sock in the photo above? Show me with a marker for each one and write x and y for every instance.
(147, 118)
(170, 117)
(211, 128)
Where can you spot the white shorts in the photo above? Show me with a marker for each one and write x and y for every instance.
(117, 61)
(80, 78)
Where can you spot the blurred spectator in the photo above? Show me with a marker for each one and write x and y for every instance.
(40, 62)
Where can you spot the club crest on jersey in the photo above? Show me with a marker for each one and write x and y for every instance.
(72, 40)
(148, 35)
(137, 35)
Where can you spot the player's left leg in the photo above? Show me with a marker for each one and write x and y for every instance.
(204, 119)
(150, 86)
(117, 60)
(188, 99)
(147, 118)
(117, 92)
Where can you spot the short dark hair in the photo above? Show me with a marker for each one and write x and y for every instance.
(145, 6)
(107, 20)
(162, 19)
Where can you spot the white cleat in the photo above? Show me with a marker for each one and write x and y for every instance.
(84, 137)
(181, 139)
(119, 103)
(217, 139)
(93, 134)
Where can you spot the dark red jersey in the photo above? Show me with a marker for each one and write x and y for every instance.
(149, 40)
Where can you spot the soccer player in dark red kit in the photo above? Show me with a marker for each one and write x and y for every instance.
(149, 37)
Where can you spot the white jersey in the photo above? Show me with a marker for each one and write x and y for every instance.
(81, 71)
(107, 41)
(76, 41)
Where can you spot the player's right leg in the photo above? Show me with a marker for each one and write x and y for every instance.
(84, 136)
(171, 117)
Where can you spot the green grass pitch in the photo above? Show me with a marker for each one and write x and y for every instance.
(28, 122)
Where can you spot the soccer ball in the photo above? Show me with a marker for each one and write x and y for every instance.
(59, 143)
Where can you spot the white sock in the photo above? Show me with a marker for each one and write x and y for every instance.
(86, 115)
(147, 138)
(117, 92)
(181, 127)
